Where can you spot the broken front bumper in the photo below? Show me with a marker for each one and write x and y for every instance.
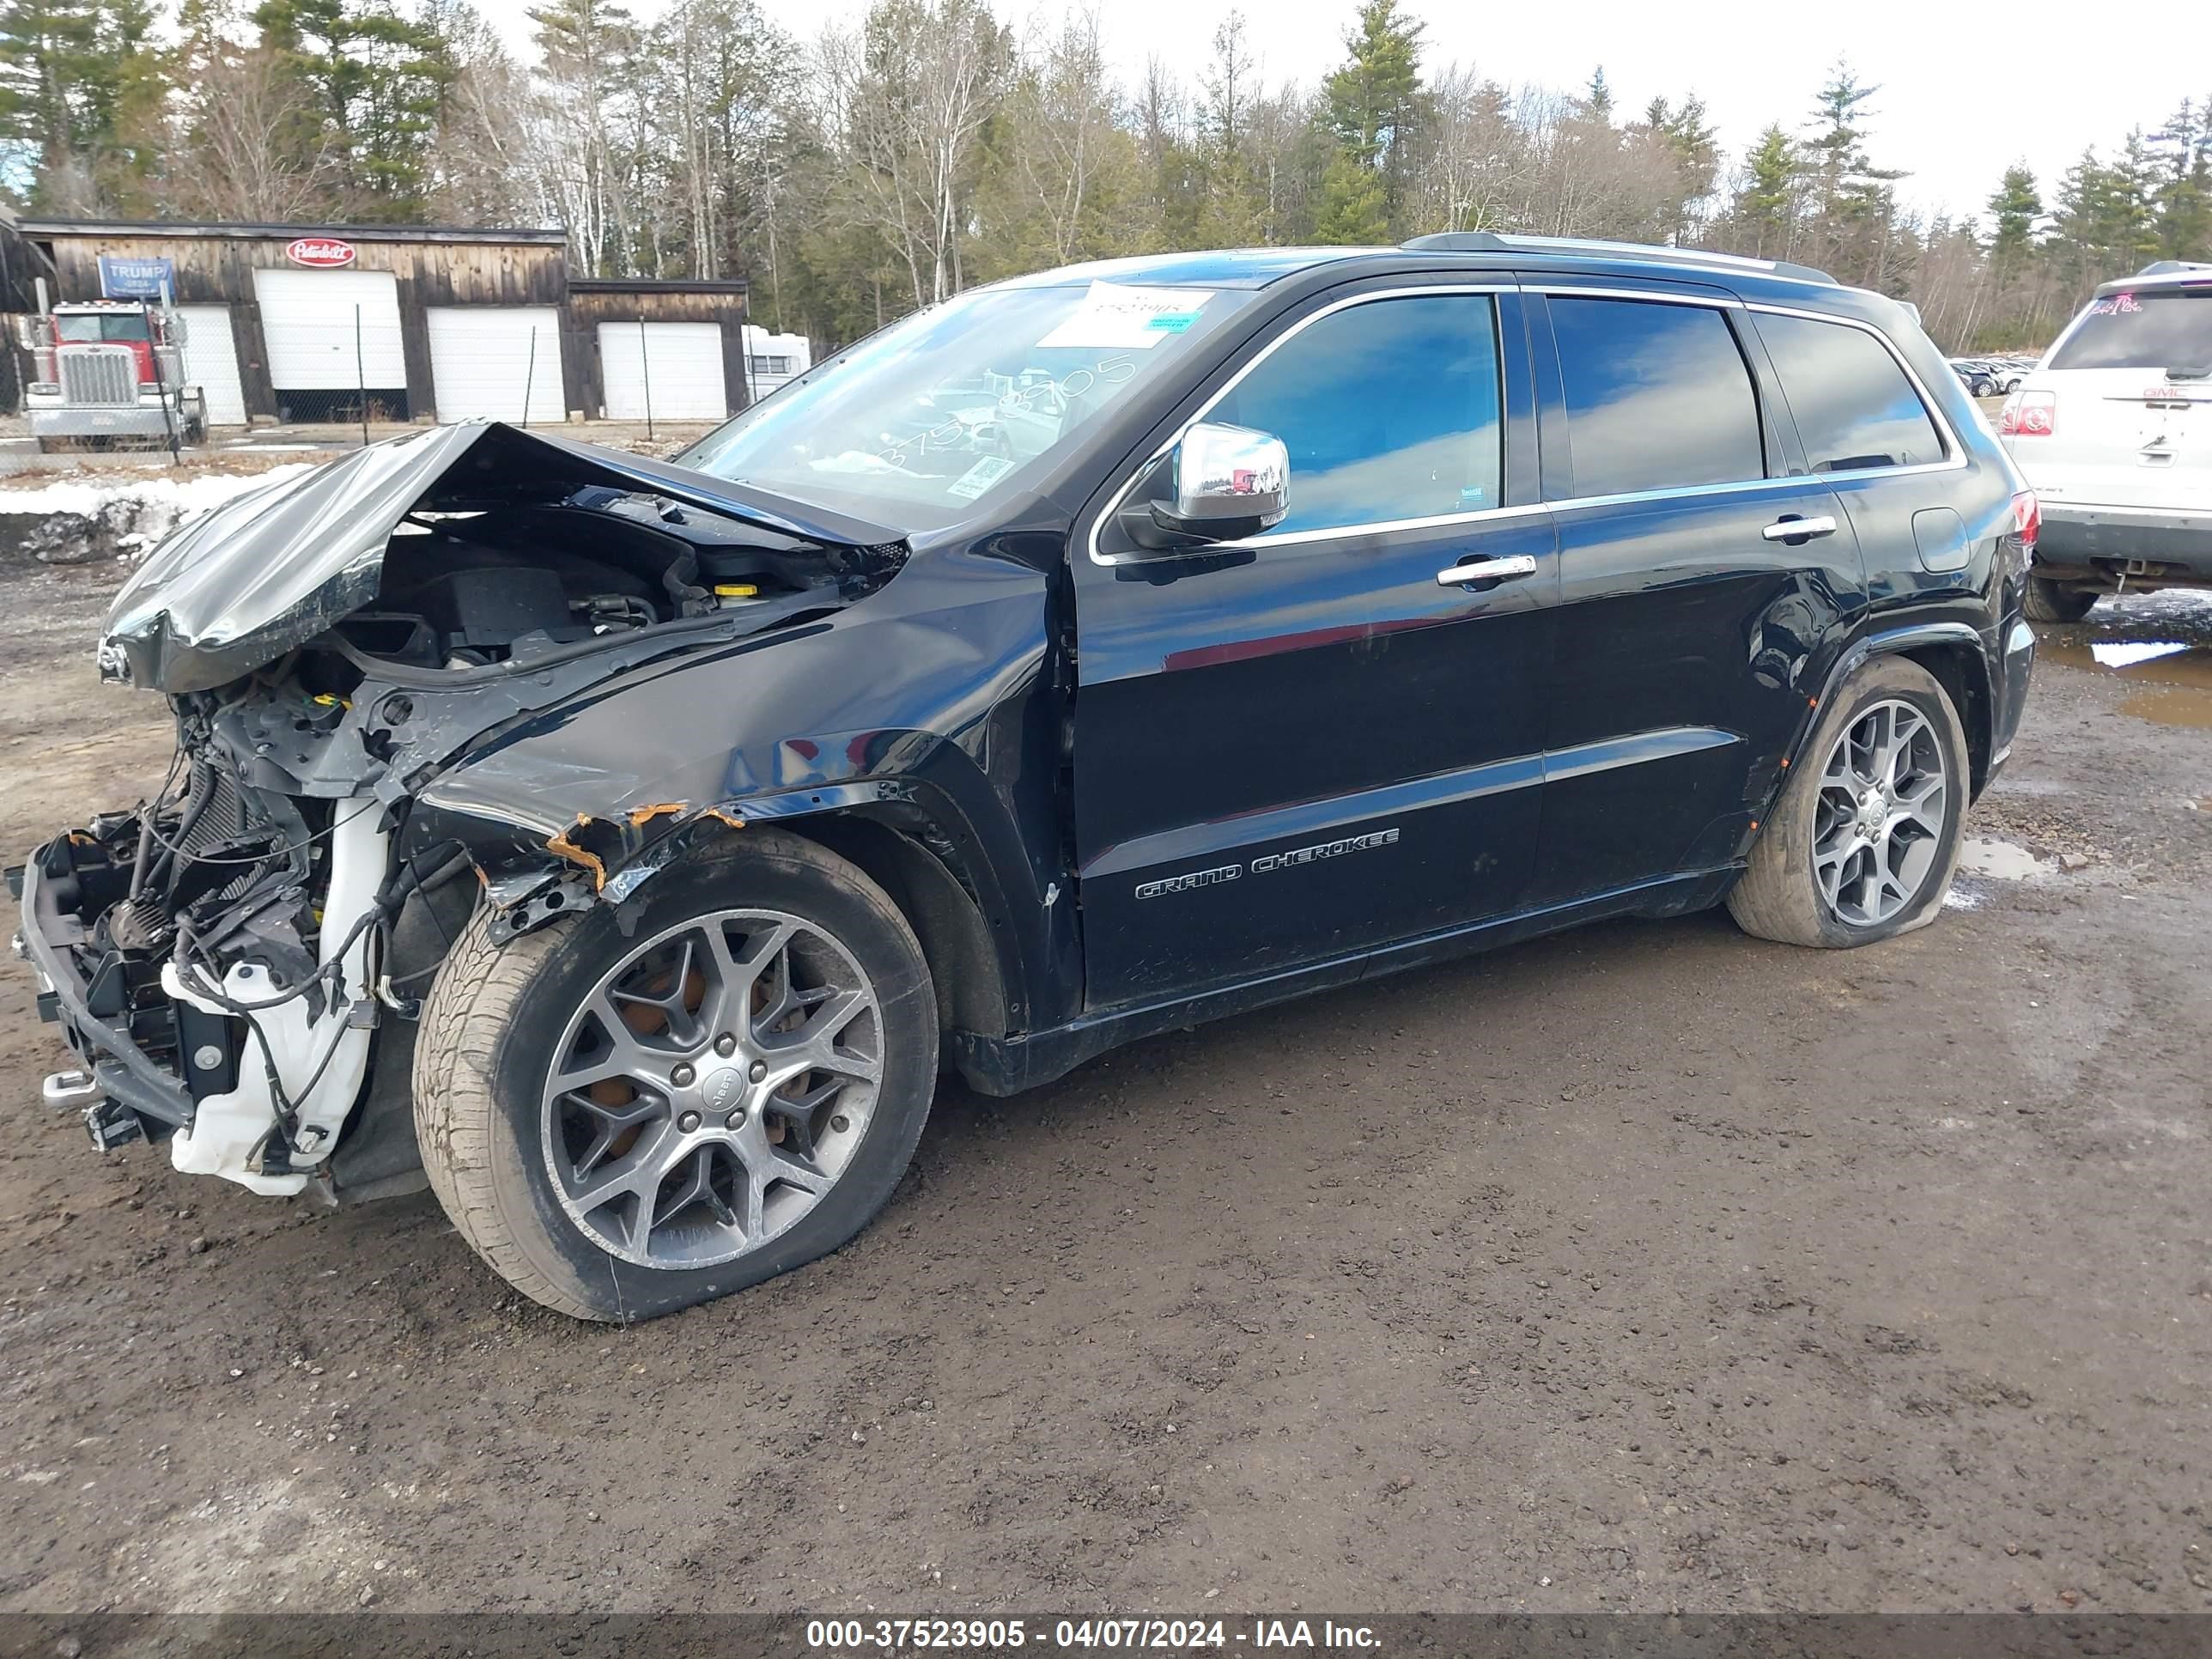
(123, 1084)
(254, 1088)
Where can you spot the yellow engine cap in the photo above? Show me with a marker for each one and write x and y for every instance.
(736, 591)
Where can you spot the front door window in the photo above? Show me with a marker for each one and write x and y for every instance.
(1390, 410)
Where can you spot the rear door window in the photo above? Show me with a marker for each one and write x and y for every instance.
(2157, 329)
(1390, 410)
(1658, 397)
(1855, 409)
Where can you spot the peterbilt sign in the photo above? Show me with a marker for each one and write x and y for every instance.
(319, 252)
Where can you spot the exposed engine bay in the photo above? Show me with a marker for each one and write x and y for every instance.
(238, 961)
(468, 589)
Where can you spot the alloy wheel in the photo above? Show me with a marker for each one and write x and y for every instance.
(711, 1088)
(1879, 825)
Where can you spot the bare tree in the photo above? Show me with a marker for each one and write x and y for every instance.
(571, 126)
(1235, 212)
(1066, 124)
(1480, 171)
(922, 147)
(478, 159)
(250, 145)
(915, 87)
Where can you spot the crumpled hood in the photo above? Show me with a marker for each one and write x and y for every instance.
(271, 569)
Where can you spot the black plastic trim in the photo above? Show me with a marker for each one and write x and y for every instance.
(131, 1074)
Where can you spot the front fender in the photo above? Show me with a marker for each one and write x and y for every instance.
(607, 788)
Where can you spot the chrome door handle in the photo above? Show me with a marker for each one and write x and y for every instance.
(1487, 570)
(1788, 530)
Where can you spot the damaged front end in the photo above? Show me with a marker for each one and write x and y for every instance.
(238, 963)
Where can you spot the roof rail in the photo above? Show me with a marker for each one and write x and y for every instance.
(1484, 241)
(1456, 241)
(2172, 267)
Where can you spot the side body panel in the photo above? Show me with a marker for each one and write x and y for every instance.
(1212, 703)
(1944, 568)
(1685, 637)
(1292, 751)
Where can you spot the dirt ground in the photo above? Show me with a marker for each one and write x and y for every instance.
(1646, 1267)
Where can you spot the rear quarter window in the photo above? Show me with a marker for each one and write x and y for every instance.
(2155, 330)
(1854, 407)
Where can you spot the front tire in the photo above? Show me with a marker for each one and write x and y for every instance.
(624, 1120)
(1864, 841)
(2047, 601)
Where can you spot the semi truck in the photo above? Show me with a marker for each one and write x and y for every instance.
(108, 369)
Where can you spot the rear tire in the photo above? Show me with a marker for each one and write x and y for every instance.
(1859, 848)
(2048, 602)
(515, 1158)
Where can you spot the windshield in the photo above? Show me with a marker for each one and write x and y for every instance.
(922, 423)
(83, 328)
(2163, 329)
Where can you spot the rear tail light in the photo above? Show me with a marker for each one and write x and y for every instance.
(2029, 415)
(2027, 520)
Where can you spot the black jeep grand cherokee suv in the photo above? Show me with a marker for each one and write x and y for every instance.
(625, 846)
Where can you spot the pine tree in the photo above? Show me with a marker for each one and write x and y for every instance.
(2133, 203)
(2106, 224)
(2014, 211)
(1373, 105)
(1355, 210)
(1763, 212)
(81, 87)
(1597, 97)
(1691, 143)
(45, 46)
(2184, 150)
(376, 79)
(1854, 210)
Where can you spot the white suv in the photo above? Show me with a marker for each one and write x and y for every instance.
(2113, 432)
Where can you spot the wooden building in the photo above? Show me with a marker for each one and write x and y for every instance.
(314, 323)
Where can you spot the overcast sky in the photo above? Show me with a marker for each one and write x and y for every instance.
(1966, 88)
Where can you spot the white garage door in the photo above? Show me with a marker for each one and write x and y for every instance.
(331, 331)
(485, 359)
(678, 365)
(211, 363)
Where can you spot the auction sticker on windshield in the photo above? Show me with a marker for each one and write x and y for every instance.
(979, 477)
(1113, 314)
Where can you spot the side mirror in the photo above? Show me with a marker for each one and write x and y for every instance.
(173, 330)
(1226, 483)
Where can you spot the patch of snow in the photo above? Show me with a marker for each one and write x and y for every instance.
(2126, 654)
(79, 521)
(180, 497)
(2178, 604)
